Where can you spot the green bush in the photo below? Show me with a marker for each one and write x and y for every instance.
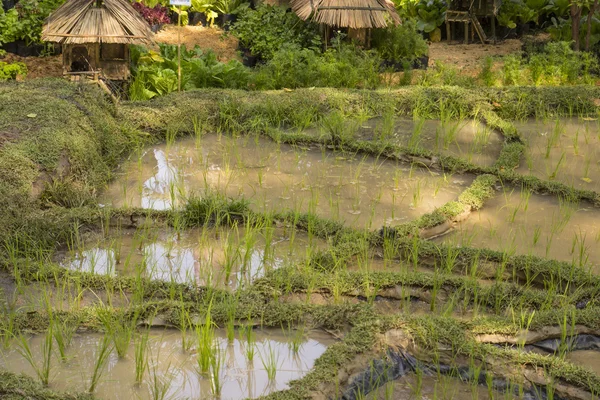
(556, 64)
(11, 71)
(343, 65)
(268, 28)
(400, 43)
(24, 22)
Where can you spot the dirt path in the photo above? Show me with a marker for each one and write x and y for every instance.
(469, 57)
(206, 38)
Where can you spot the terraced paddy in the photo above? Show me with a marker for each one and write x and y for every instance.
(238, 252)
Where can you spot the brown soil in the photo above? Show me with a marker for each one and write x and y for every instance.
(207, 38)
(469, 57)
(38, 67)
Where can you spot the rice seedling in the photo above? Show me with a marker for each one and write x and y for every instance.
(553, 174)
(63, 332)
(8, 313)
(388, 121)
(523, 321)
(567, 332)
(415, 138)
(250, 348)
(216, 361)
(417, 386)
(141, 354)
(205, 342)
(102, 356)
(198, 127)
(576, 142)
(297, 338)
(161, 382)
(270, 362)
(171, 135)
(41, 370)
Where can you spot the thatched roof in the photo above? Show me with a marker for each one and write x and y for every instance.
(82, 21)
(347, 13)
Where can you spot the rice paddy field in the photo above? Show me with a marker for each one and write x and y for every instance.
(420, 243)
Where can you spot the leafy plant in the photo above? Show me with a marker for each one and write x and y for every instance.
(11, 71)
(30, 18)
(265, 30)
(156, 15)
(344, 65)
(513, 11)
(430, 14)
(9, 25)
(400, 43)
(155, 74)
(228, 6)
(183, 16)
(206, 7)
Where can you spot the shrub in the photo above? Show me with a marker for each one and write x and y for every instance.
(9, 26)
(555, 64)
(26, 19)
(400, 43)
(11, 71)
(343, 65)
(268, 28)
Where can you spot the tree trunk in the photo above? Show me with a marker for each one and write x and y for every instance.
(575, 22)
(588, 33)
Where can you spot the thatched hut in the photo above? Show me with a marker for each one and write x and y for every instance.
(359, 16)
(95, 36)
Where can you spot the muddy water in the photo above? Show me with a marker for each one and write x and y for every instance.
(467, 139)
(224, 257)
(521, 223)
(361, 191)
(176, 371)
(442, 388)
(37, 296)
(589, 359)
(566, 150)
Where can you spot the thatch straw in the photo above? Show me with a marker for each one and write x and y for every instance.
(81, 21)
(347, 13)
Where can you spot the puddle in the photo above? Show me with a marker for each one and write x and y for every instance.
(565, 150)
(589, 359)
(441, 387)
(469, 139)
(361, 191)
(176, 370)
(223, 256)
(519, 222)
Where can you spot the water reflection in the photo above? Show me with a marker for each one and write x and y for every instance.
(177, 370)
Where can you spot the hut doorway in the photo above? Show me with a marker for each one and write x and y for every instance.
(80, 59)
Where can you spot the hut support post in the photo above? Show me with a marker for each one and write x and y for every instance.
(179, 50)
(466, 33)
(494, 28)
(448, 31)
